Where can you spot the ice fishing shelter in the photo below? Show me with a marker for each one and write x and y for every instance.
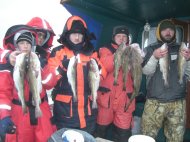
(102, 15)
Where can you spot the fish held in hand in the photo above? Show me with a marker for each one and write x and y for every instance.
(164, 66)
(181, 63)
(34, 80)
(72, 75)
(27, 66)
(125, 65)
(136, 70)
(94, 80)
(118, 61)
(19, 76)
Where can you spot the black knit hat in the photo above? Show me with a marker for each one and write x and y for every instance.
(120, 30)
(167, 24)
(27, 36)
(77, 27)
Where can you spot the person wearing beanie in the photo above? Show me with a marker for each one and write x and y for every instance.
(71, 92)
(24, 41)
(32, 128)
(26, 36)
(165, 105)
(112, 99)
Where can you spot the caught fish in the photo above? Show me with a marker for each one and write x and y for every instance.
(18, 77)
(34, 80)
(125, 65)
(136, 70)
(28, 66)
(164, 67)
(118, 61)
(94, 80)
(181, 63)
(71, 75)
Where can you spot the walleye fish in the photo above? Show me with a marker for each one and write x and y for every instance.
(18, 77)
(118, 61)
(164, 67)
(34, 80)
(71, 75)
(94, 80)
(125, 65)
(181, 63)
(136, 70)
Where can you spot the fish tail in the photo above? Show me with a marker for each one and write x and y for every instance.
(124, 87)
(127, 106)
(180, 81)
(38, 112)
(75, 98)
(115, 82)
(24, 109)
(166, 83)
(94, 105)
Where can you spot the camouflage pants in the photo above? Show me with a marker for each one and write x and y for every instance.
(171, 116)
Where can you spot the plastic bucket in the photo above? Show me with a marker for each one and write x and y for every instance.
(141, 138)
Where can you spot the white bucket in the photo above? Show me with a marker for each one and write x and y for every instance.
(141, 138)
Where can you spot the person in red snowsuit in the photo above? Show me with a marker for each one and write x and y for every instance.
(112, 99)
(24, 126)
(68, 113)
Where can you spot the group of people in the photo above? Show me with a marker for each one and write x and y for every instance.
(164, 107)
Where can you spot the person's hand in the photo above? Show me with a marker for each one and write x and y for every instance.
(159, 53)
(7, 126)
(12, 57)
(186, 53)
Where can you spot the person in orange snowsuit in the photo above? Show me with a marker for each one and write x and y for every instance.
(112, 99)
(75, 43)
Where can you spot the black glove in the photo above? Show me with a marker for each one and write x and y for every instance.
(7, 126)
(65, 63)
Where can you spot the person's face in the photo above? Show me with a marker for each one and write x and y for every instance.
(24, 46)
(167, 34)
(41, 38)
(119, 38)
(76, 38)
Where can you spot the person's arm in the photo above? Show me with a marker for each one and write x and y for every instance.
(6, 89)
(150, 66)
(151, 59)
(53, 71)
(106, 58)
(102, 69)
